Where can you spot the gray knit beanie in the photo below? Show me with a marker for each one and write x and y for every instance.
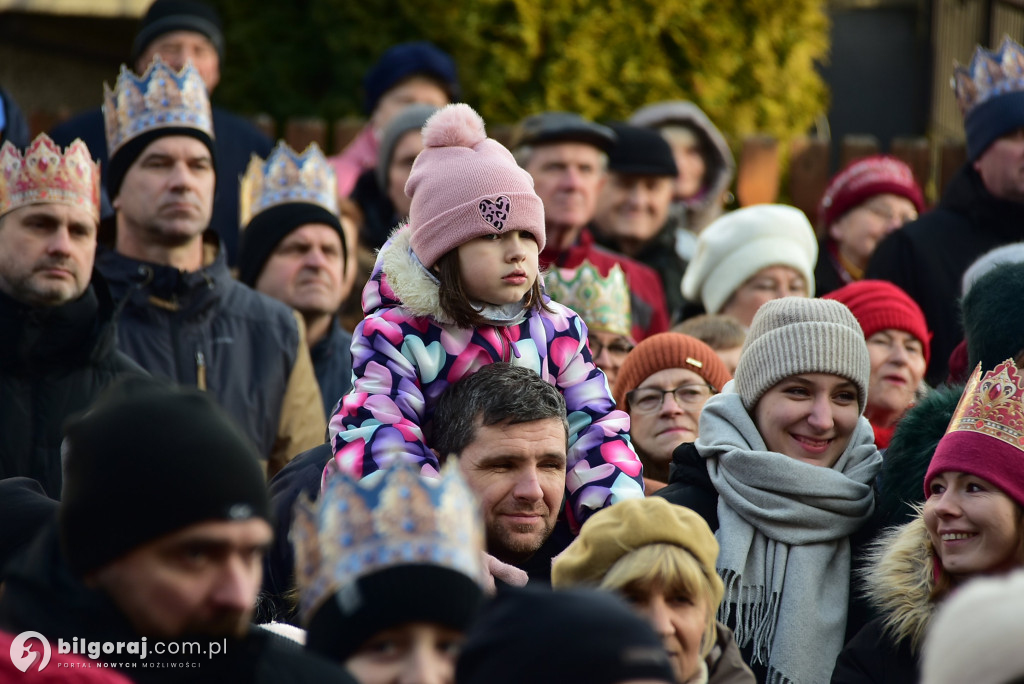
(797, 335)
(412, 118)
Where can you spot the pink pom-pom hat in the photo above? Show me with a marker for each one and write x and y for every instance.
(464, 185)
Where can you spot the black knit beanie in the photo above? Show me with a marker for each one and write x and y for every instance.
(149, 459)
(267, 228)
(545, 637)
(125, 156)
(640, 151)
(165, 16)
(389, 598)
(993, 326)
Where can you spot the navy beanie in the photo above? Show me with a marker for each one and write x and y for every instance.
(404, 61)
(149, 459)
(991, 120)
(165, 16)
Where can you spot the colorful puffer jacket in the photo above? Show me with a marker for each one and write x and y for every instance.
(406, 351)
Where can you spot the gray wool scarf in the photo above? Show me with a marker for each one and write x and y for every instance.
(784, 528)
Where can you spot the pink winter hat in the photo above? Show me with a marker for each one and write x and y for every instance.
(464, 185)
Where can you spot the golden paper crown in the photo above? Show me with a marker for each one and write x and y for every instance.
(993, 404)
(990, 73)
(45, 175)
(393, 517)
(602, 303)
(287, 177)
(159, 98)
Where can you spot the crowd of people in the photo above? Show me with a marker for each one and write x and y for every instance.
(437, 410)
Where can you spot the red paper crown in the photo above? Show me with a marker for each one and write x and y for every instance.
(993, 404)
(44, 175)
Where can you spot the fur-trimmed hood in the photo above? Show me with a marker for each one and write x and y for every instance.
(899, 581)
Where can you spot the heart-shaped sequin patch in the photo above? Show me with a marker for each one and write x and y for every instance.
(495, 211)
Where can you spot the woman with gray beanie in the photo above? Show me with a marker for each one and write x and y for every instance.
(783, 471)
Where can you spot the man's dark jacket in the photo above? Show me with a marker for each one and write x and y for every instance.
(42, 595)
(235, 140)
(332, 364)
(928, 257)
(53, 362)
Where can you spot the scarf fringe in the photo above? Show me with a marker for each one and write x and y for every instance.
(755, 617)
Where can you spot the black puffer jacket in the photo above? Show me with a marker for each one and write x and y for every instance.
(42, 595)
(53, 362)
(205, 329)
(928, 257)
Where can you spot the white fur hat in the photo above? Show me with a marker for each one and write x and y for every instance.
(737, 245)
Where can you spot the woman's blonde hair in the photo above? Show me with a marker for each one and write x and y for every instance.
(673, 569)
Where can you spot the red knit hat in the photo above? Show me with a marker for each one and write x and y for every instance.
(863, 179)
(668, 350)
(880, 305)
(984, 436)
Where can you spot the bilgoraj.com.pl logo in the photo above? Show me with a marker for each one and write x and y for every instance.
(31, 650)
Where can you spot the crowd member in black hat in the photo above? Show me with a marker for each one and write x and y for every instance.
(25, 509)
(632, 213)
(407, 73)
(576, 635)
(294, 250)
(183, 316)
(567, 157)
(180, 31)
(159, 535)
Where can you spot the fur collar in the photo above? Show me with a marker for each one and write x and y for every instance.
(899, 580)
(414, 286)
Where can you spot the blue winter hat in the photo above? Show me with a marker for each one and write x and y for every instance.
(409, 59)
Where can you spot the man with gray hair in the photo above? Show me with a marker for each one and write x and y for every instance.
(567, 157)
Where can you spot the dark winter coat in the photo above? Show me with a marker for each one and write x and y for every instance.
(234, 141)
(660, 256)
(42, 595)
(205, 329)
(332, 364)
(53, 362)
(928, 257)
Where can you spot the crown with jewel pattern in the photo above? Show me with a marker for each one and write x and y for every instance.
(395, 518)
(602, 302)
(43, 174)
(159, 98)
(286, 177)
(993, 404)
(990, 74)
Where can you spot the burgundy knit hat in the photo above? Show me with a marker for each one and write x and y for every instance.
(880, 305)
(863, 179)
(984, 436)
(464, 185)
(668, 350)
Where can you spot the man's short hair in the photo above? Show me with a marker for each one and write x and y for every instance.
(497, 393)
(718, 331)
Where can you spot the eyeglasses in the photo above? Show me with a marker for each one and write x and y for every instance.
(651, 399)
(888, 215)
(617, 349)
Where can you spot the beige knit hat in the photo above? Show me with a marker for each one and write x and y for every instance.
(734, 247)
(797, 335)
(613, 532)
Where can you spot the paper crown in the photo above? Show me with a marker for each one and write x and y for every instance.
(992, 404)
(286, 177)
(602, 302)
(45, 175)
(990, 74)
(400, 518)
(159, 98)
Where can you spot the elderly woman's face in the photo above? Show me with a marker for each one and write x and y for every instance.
(973, 525)
(661, 420)
(772, 282)
(897, 369)
(859, 230)
(681, 621)
(809, 417)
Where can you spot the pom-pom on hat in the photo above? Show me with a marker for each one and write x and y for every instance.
(863, 179)
(985, 437)
(734, 247)
(880, 305)
(794, 335)
(668, 350)
(464, 185)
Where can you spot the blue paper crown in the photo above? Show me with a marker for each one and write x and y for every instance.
(287, 177)
(990, 74)
(396, 518)
(160, 98)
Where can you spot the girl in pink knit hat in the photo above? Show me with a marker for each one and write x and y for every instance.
(455, 288)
